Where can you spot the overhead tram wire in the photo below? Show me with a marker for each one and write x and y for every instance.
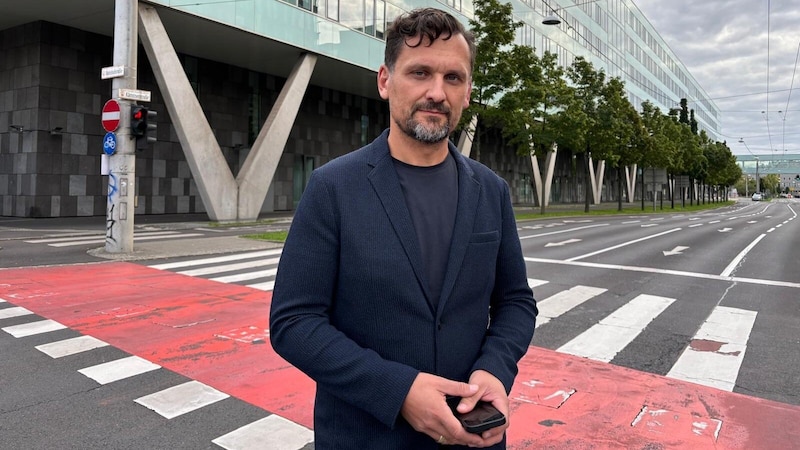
(791, 86)
(766, 114)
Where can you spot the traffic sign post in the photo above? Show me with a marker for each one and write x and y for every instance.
(116, 121)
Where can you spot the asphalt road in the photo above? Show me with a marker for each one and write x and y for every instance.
(731, 260)
(709, 298)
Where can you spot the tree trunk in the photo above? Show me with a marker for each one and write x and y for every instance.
(587, 184)
(619, 187)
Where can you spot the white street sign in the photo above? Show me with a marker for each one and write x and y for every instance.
(112, 72)
(133, 94)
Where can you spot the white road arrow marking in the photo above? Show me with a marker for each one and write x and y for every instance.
(558, 244)
(675, 251)
(725, 230)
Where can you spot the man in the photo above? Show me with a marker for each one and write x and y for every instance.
(402, 280)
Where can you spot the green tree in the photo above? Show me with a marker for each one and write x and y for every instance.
(582, 111)
(494, 73)
(618, 128)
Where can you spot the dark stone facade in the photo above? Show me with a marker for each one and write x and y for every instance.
(51, 96)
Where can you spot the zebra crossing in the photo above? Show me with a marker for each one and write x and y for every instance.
(271, 431)
(72, 240)
(712, 358)
(252, 269)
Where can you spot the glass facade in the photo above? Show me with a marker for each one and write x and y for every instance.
(613, 34)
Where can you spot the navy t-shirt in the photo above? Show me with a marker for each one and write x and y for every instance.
(431, 195)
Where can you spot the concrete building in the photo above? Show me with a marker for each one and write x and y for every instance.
(253, 95)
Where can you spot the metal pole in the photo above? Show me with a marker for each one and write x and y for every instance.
(122, 164)
(758, 179)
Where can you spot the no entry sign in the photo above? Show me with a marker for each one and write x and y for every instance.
(110, 117)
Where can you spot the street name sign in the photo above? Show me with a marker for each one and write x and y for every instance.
(112, 72)
(134, 94)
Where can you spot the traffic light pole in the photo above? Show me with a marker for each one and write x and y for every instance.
(122, 164)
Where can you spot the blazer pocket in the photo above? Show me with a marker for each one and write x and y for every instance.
(488, 236)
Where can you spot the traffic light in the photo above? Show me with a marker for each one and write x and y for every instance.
(143, 126)
(138, 121)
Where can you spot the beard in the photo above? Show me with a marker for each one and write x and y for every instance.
(430, 132)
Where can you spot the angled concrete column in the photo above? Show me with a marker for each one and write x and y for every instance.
(630, 181)
(259, 168)
(596, 178)
(465, 140)
(214, 179)
(543, 185)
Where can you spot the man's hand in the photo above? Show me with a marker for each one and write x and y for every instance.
(491, 390)
(426, 409)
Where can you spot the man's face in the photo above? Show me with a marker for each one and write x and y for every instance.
(428, 88)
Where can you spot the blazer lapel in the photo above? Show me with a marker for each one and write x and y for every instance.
(383, 178)
(468, 194)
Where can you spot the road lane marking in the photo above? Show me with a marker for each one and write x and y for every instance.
(93, 237)
(70, 346)
(135, 238)
(230, 267)
(16, 311)
(623, 244)
(564, 231)
(217, 259)
(715, 355)
(735, 262)
(246, 276)
(181, 399)
(33, 328)
(608, 337)
(533, 282)
(680, 273)
(558, 304)
(273, 432)
(119, 369)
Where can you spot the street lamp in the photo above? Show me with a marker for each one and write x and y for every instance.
(554, 19)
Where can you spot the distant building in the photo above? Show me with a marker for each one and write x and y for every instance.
(237, 56)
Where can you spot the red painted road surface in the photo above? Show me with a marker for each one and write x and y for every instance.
(217, 334)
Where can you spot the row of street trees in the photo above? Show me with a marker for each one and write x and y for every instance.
(536, 103)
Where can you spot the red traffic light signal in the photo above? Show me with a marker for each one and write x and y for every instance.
(138, 120)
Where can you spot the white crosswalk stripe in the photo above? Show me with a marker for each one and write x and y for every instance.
(559, 303)
(181, 399)
(71, 241)
(604, 340)
(252, 269)
(716, 353)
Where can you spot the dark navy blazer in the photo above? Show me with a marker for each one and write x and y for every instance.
(351, 309)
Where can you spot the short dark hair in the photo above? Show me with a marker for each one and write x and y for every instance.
(428, 23)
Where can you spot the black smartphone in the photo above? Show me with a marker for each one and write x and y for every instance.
(483, 417)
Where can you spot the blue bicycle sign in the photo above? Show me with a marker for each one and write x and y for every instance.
(110, 143)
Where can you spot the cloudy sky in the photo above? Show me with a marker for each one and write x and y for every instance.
(726, 44)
